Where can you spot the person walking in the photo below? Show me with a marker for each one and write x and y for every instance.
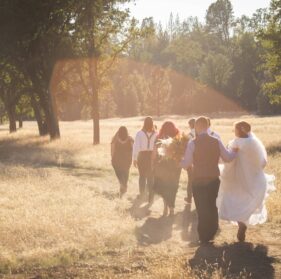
(191, 135)
(121, 157)
(142, 157)
(167, 171)
(204, 153)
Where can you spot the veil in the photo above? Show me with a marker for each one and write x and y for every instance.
(260, 149)
(262, 156)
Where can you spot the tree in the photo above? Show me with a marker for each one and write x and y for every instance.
(244, 84)
(158, 97)
(216, 71)
(103, 31)
(219, 19)
(36, 35)
(12, 84)
(271, 41)
(188, 55)
(24, 109)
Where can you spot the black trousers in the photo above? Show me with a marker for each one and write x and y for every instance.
(122, 175)
(145, 173)
(205, 195)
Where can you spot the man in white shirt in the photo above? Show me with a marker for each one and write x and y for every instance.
(212, 133)
(191, 134)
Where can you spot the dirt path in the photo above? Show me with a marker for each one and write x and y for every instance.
(167, 244)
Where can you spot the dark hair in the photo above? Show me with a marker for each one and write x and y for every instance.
(202, 121)
(122, 133)
(168, 130)
(191, 123)
(148, 125)
(243, 128)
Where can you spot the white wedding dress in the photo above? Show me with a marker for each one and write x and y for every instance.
(244, 185)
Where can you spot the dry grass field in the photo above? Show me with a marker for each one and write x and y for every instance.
(60, 215)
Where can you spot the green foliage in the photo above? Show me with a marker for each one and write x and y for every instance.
(216, 71)
(157, 100)
(96, 61)
(219, 19)
(271, 41)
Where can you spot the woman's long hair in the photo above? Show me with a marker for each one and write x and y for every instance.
(168, 130)
(121, 134)
(148, 125)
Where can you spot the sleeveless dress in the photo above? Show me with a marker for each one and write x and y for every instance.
(122, 159)
(166, 179)
(244, 185)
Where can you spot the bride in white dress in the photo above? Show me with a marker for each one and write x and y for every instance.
(244, 185)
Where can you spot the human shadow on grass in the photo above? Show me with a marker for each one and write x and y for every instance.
(139, 209)
(186, 221)
(157, 230)
(234, 260)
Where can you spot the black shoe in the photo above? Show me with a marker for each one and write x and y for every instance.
(241, 234)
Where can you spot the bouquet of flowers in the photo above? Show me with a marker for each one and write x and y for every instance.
(173, 148)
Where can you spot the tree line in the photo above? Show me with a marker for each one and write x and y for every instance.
(68, 60)
(223, 64)
(39, 39)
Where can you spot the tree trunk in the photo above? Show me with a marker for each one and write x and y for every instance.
(11, 110)
(20, 122)
(95, 100)
(43, 130)
(51, 119)
(93, 75)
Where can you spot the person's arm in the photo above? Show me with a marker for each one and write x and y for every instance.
(188, 156)
(216, 135)
(227, 155)
(136, 149)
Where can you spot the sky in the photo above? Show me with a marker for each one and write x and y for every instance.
(160, 9)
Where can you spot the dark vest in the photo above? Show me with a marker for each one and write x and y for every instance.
(206, 157)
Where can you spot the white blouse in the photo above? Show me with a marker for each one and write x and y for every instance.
(143, 142)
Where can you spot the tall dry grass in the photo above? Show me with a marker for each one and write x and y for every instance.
(58, 200)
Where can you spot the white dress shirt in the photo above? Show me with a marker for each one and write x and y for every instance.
(192, 133)
(143, 142)
(214, 134)
(225, 154)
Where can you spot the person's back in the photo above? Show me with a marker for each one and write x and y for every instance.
(244, 185)
(206, 157)
(204, 153)
(121, 156)
(123, 152)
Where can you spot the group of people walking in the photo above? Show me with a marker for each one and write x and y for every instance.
(226, 183)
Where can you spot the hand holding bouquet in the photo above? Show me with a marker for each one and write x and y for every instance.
(173, 148)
